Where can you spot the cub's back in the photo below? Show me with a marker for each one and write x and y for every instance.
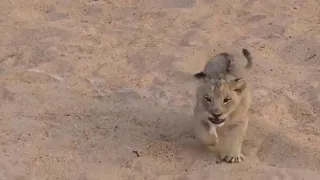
(216, 66)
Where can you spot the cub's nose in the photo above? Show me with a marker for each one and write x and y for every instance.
(216, 115)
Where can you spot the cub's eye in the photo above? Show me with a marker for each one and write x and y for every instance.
(207, 99)
(226, 100)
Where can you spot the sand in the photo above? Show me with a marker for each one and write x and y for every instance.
(103, 89)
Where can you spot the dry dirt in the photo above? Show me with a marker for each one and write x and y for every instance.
(83, 82)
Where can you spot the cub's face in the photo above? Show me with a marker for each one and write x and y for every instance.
(220, 98)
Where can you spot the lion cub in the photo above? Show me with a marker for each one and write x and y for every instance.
(222, 104)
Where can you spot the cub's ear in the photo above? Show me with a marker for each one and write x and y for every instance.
(238, 85)
(200, 75)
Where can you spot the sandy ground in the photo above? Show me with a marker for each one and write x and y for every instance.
(83, 82)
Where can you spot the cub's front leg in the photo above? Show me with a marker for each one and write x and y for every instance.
(231, 142)
(204, 135)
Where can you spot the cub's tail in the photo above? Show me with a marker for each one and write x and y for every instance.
(248, 56)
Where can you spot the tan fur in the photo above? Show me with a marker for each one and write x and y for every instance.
(230, 99)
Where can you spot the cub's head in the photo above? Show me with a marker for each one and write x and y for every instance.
(220, 98)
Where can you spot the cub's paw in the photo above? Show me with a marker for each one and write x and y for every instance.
(230, 158)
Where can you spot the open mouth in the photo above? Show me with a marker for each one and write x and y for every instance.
(216, 120)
